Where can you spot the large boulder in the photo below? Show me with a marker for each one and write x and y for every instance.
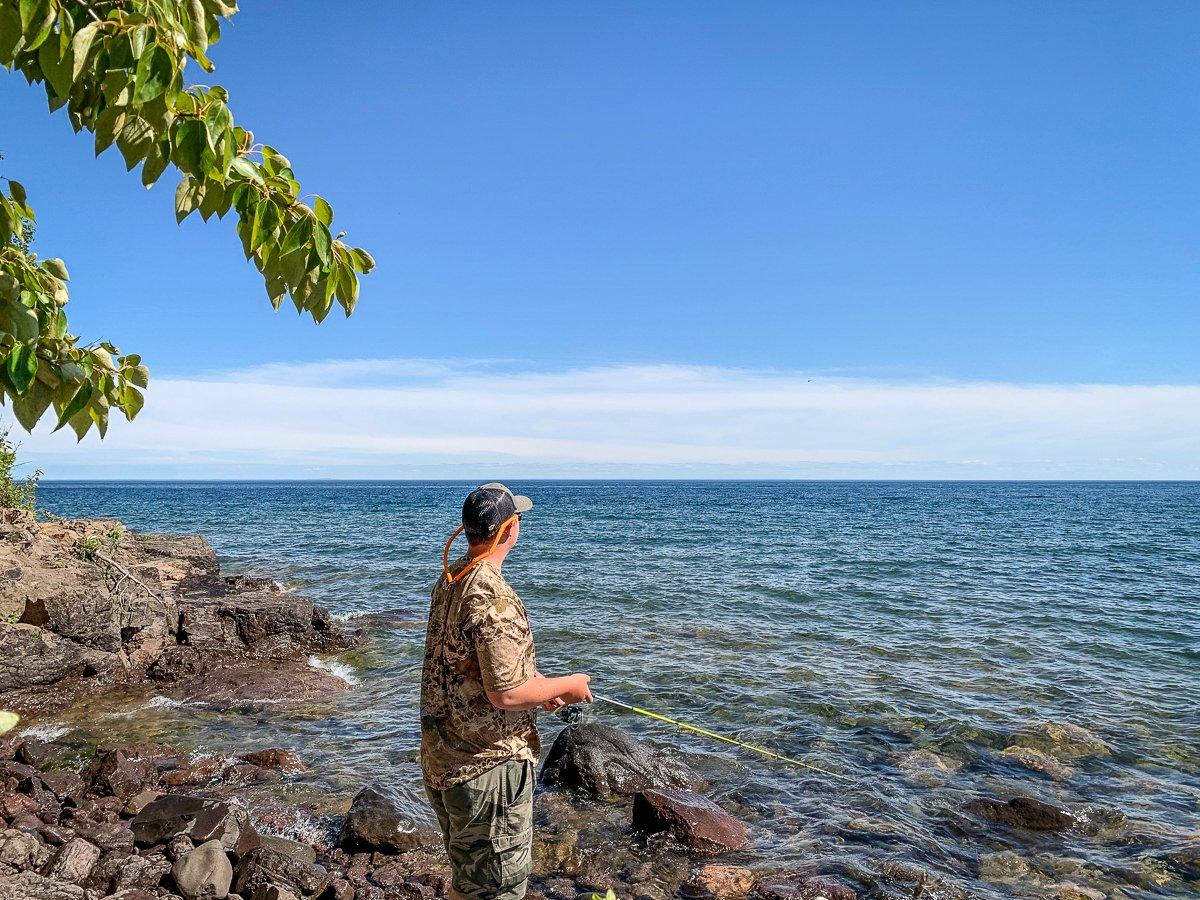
(18, 849)
(116, 772)
(1024, 812)
(376, 822)
(694, 821)
(204, 873)
(605, 762)
(34, 657)
(198, 818)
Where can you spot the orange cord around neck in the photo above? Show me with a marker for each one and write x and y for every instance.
(452, 577)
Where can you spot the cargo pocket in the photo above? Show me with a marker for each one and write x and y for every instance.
(512, 859)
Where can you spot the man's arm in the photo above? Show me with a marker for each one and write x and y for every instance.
(539, 689)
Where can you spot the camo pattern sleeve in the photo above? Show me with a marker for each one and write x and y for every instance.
(503, 639)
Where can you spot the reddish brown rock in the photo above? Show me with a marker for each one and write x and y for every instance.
(276, 758)
(719, 882)
(1024, 812)
(694, 821)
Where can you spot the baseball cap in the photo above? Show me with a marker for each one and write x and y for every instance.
(489, 506)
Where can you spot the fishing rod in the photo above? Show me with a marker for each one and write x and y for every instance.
(720, 737)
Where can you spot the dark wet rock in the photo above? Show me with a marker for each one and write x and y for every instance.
(66, 786)
(376, 822)
(719, 882)
(178, 662)
(1184, 862)
(276, 758)
(31, 657)
(203, 873)
(115, 772)
(802, 886)
(694, 821)
(606, 762)
(196, 773)
(33, 752)
(263, 867)
(74, 861)
(1024, 812)
(197, 818)
(32, 886)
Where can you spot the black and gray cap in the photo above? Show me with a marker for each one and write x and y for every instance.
(488, 507)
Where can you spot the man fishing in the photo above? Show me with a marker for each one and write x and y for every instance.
(480, 691)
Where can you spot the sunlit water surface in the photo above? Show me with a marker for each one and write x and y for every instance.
(847, 624)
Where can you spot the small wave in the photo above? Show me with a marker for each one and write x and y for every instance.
(47, 731)
(335, 667)
(158, 701)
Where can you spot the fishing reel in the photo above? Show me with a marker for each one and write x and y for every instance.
(571, 714)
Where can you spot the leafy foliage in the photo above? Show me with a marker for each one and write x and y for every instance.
(117, 66)
(15, 494)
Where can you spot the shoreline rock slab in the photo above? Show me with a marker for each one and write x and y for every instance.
(694, 821)
(604, 763)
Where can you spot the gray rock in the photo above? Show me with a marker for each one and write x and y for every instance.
(1002, 866)
(74, 861)
(606, 762)
(204, 873)
(18, 849)
(197, 818)
(263, 867)
(376, 822)
(1062, 740)
(32, 886)
(140, 872)
(694, 821)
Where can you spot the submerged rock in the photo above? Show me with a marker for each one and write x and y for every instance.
(802, 886)
(694, 821)
(1037, 761)
(376, 822)
(1024, 812)
(1002, 866)
(719, 882)
(606, 762)
(1062, 740)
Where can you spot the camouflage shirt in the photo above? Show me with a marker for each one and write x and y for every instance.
(478, 640)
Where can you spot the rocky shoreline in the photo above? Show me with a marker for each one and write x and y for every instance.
(89, 609)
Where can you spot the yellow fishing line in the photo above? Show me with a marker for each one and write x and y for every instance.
(720, 737)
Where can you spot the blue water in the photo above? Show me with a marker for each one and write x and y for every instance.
(849, 624)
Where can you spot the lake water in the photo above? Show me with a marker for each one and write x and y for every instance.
(900, 633)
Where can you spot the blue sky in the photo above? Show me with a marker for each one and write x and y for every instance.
(985, 193)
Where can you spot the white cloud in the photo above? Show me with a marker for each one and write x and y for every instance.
(428, 418)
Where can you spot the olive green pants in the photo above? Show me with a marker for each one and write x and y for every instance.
(487, 825)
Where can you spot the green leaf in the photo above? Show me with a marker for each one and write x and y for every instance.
(156, 163)
(347, 288)
(138, 375)
(31, 405)
(322, 243)
(78, 402)
(131, 402)
(188, 197)
(81, 45)
(80, 423)
(22, 366)
(56, 67)
(108, 123)
(266, 220)
(135, 140)
(10, 33)
(17, 190)
(57, 268)
(154, 72)
(32, 11)
(324, 211)
(297, 235)
(366, 262)
(191, 139)
(196, 19)
(214, 198)
(246, 169)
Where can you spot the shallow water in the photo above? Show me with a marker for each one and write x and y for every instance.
(848, 624)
